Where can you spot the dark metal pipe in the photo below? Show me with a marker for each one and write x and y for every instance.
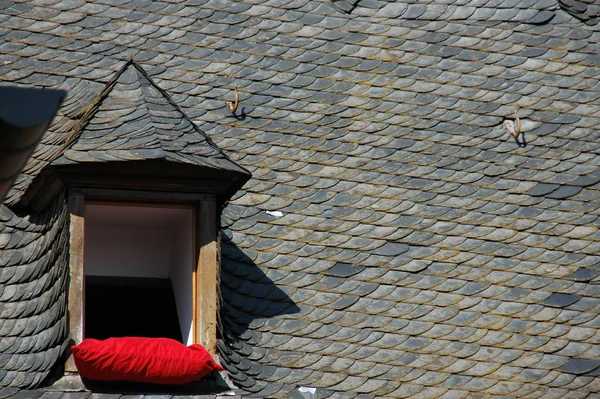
(25, 114)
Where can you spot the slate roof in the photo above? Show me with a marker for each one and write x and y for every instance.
(133, 119)
(588, 11)
(420, 251)
(33, 281)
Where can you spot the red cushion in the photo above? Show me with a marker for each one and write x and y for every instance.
(153, 360)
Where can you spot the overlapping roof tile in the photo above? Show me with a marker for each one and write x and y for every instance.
(133, 119)
(420, 251)
(33, 277)
(587, 11)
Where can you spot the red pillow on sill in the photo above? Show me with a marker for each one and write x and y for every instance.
(151, 360)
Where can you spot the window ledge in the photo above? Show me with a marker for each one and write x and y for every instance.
(212, 386)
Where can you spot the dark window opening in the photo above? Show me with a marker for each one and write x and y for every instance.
(130, 307)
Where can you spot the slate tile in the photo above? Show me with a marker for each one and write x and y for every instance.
(579, 366)
(391, 249)
(584, 274)
(544, 189)
(76, 395)
(561, 300)
(344, 270)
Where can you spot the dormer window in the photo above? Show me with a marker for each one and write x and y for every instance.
(143, 269)
(145, 187)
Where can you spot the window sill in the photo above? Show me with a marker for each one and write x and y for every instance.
(212, 385)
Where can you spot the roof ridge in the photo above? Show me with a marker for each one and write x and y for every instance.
(89, 113)
(140, 71)
(166, 96)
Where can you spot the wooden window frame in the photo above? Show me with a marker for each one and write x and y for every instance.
(204, 274)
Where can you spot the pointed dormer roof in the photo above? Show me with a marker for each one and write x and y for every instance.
(134, 136)
(133, 119)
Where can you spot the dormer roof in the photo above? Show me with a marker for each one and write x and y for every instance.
(133, 129)
(133, 119)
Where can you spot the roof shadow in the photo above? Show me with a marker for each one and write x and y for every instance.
(249, 299)
(248, 296)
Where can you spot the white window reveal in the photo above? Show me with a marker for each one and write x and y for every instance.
(138, 261)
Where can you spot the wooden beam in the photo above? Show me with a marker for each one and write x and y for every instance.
(76, 281)
(196, 259)
(206, 276)
(139, 196)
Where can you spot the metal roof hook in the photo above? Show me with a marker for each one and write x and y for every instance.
(233, 106)
(516, 129)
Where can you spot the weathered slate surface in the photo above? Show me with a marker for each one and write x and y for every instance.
(587, 11)
(420, 252)
(133, 119)
(33, 281)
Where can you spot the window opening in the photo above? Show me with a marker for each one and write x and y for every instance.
(138, 271)
(130, 307)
